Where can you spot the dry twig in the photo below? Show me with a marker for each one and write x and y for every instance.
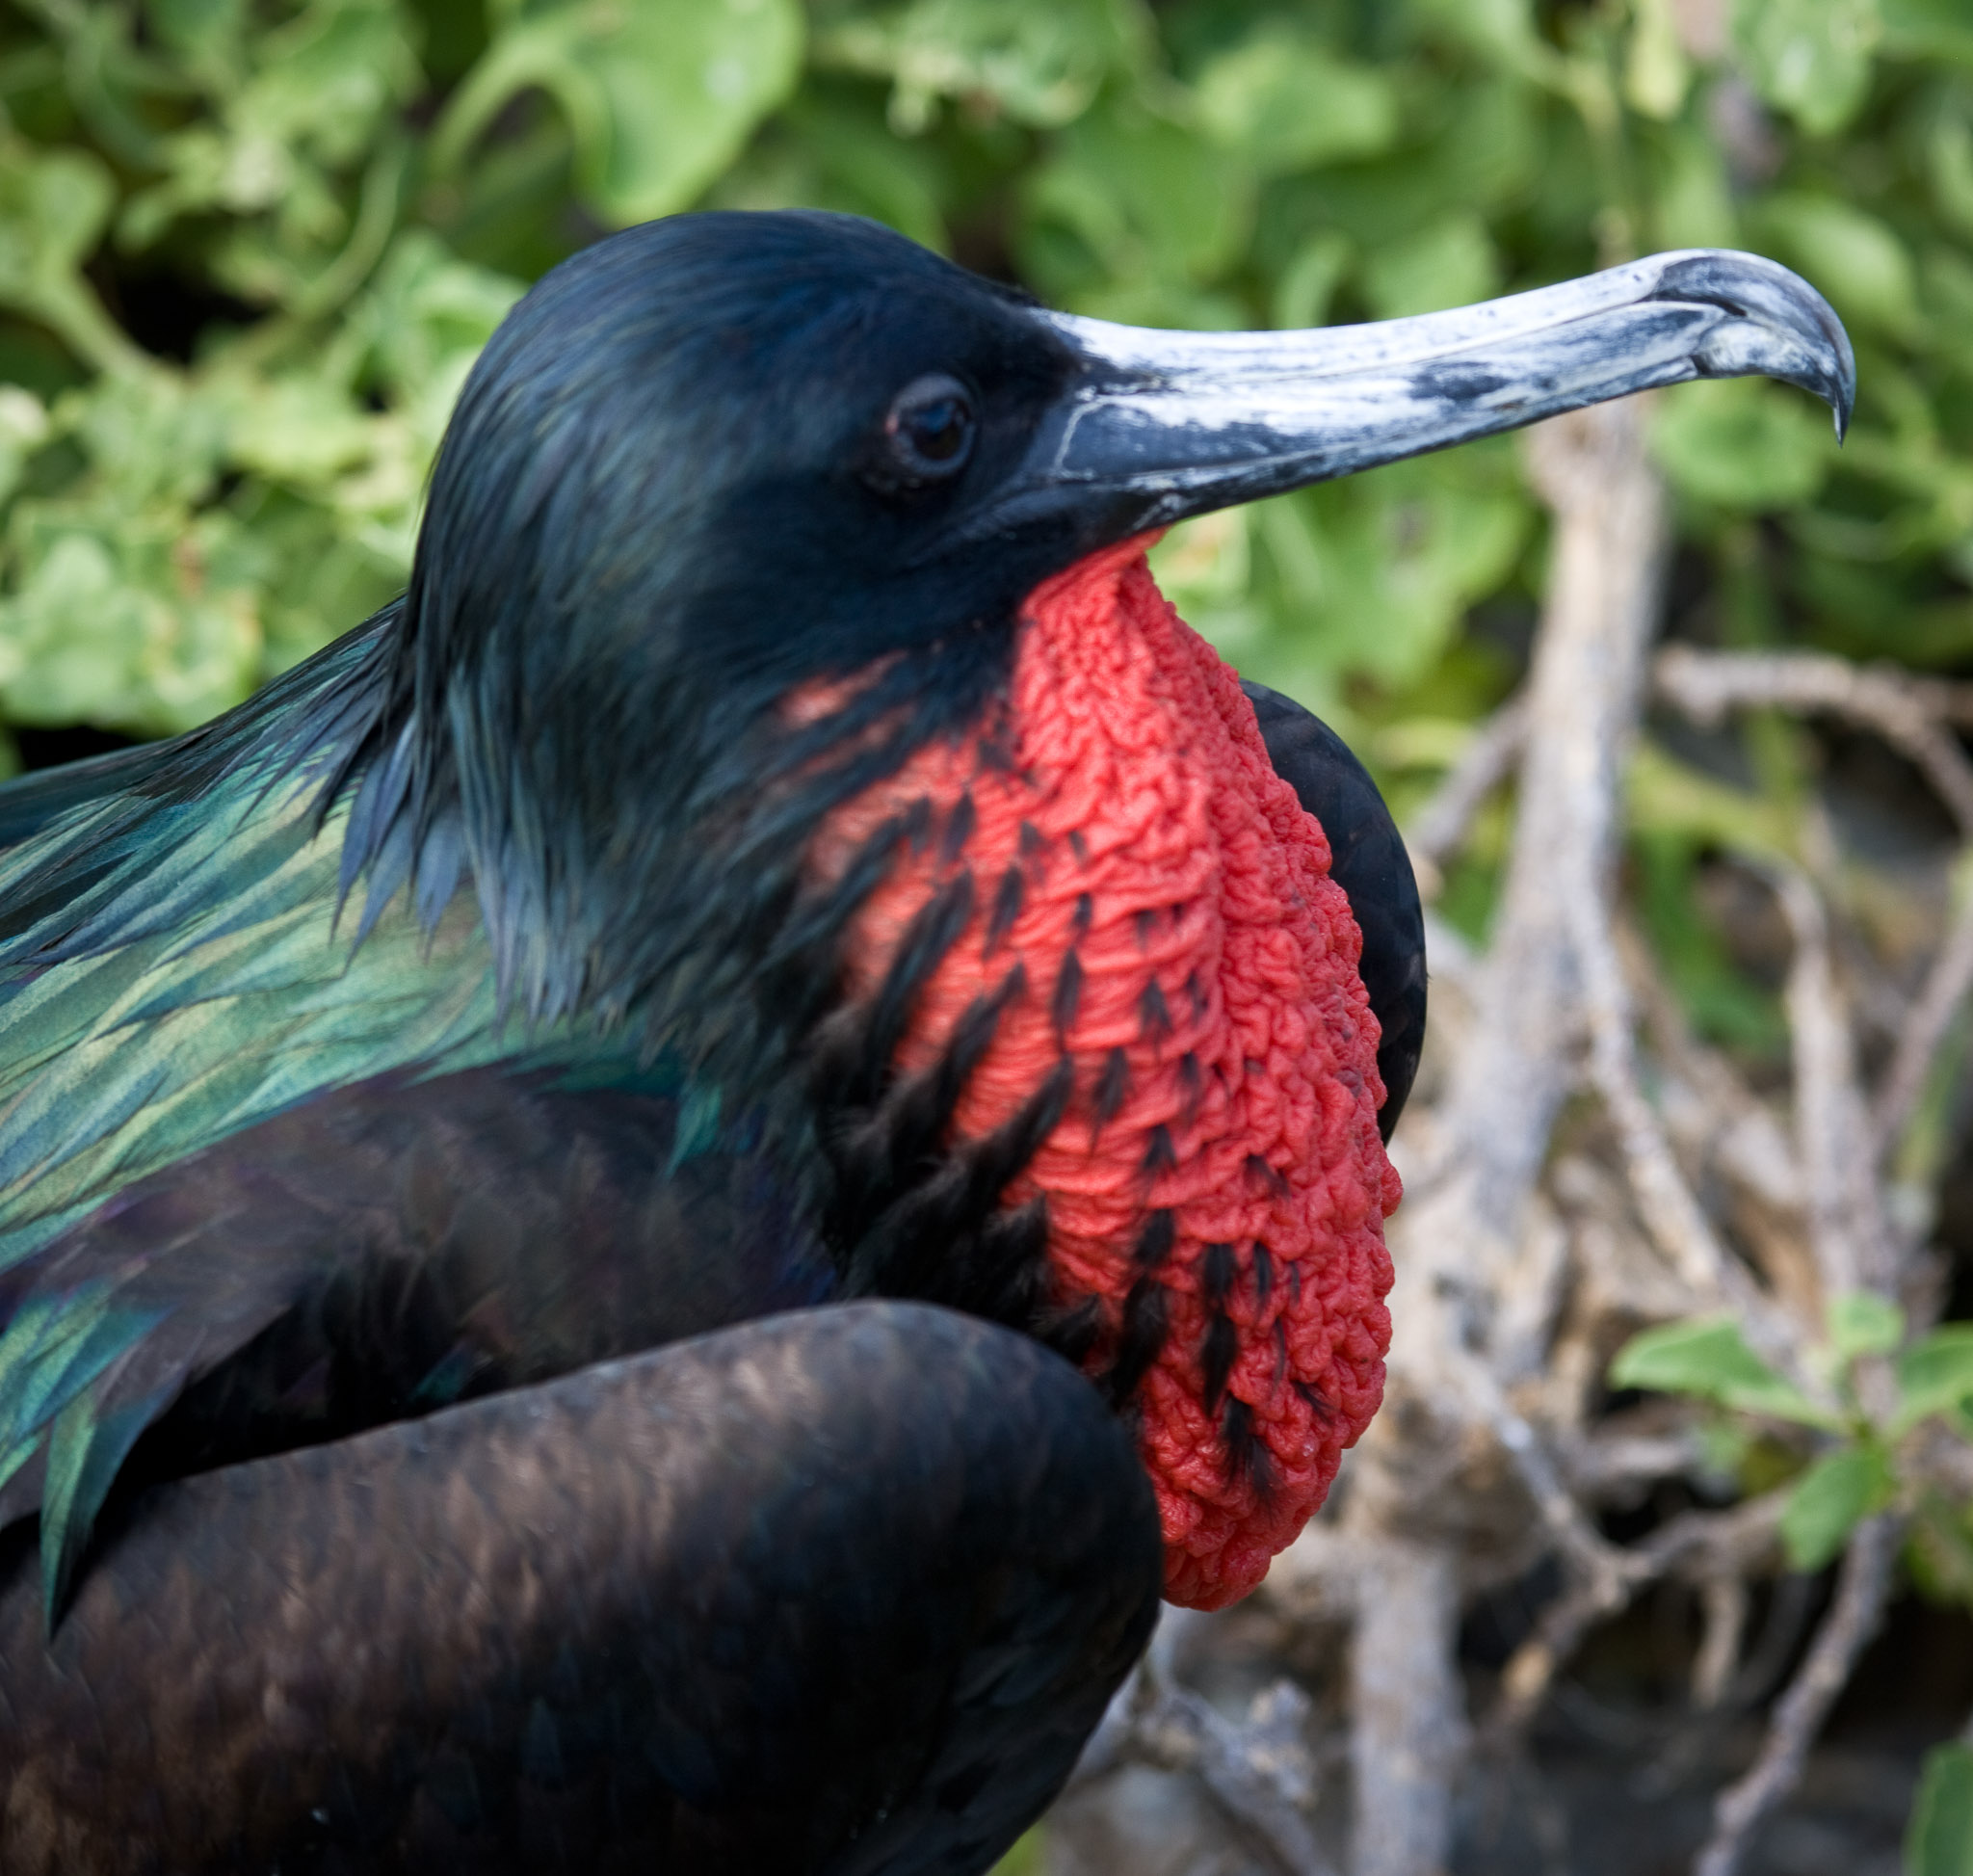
(1861, 1586)
(1907, 712)
(1260, 1772)
(1445, 821)
(1925, 1029)
(1834, 1143)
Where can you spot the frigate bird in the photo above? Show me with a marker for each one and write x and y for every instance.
(644, 1210)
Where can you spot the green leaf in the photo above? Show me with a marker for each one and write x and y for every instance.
(1149, 205)
(151, 439)
(1306, 285)
(1693, 204)
(1041, 66)
(1863, 1324)
(1657, 72)
(1286, 102)
(685, 84)
(1501, 30)
(1377, 571)
(1939, 1838)
(298, 428)
(1809, 58)
(1743, 444)
(661, 95)
(23, 430)
(1830, 1500)
(54, 206)
(1851, 257)
(1934, 1375)
(325, 79)
(1929, 29)
(418, 326)
(142, 619)
(1450, 263)
(194, 27)
(1707, 1355)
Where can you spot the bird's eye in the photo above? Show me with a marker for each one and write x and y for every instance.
(929, 428)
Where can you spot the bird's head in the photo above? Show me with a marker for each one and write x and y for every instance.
(781, 655)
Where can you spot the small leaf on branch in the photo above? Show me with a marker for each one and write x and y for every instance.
(1830, 1500)
(1940, 1840)
(1934, 1375)
(1863, 1324)
(1706, 1355)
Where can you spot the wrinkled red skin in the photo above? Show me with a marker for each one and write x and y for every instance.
(1218, 964)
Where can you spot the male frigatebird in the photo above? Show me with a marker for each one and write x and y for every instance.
(484, 1126)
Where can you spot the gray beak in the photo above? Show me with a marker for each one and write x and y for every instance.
(1156, 426)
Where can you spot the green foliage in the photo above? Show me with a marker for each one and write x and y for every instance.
(659, 97)
(1940, 1841)
(1857, 1472)
(1935, 1375)
(1830, 1500)
(1708, 1356)
(246, 248)
(1809, 58)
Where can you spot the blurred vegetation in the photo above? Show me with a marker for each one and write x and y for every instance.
(247, 250)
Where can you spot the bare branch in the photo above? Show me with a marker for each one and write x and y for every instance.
(1404, 1693)
(1443, 823)
(1676, 1221)
(1906, 712)
(1924, 1031)
(1861, 1587)
(1723, 1602)
(1598, 1466)
(1700, 1545)
(1260, 1772)
(1834, 1142)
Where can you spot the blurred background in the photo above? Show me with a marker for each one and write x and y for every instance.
(249, 248)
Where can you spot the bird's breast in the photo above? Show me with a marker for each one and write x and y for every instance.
(1108, 892)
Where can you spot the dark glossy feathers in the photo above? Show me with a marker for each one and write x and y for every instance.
(379, 1251)
(839, 1592)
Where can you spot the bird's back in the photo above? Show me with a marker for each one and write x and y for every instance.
(176, 960)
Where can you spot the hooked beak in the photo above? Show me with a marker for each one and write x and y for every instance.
(1156, 426)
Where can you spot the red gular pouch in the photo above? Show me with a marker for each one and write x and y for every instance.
(1152, 908)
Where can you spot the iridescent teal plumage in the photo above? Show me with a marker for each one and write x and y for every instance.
(210, 975)
(185, 960)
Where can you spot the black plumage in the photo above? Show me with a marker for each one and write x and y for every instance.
(837, 1592)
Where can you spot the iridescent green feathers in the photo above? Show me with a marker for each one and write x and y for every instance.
(177, 964)
(208, 975)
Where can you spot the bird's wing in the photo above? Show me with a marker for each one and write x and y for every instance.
(371, 1254)
(840, 1591)
(179, 968)
(176, 963)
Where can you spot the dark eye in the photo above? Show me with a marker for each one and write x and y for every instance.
(929, 428)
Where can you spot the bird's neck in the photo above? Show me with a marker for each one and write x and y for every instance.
(1122, 1037)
